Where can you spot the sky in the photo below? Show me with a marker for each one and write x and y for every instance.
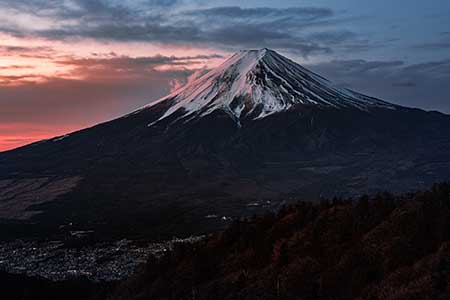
(70, 64)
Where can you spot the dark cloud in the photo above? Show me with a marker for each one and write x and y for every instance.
(126, 62)
(253, 36)
(228, 37)
(422, 85)
(165, 3)
(146, 32)
(360, 66)
(236, 28)
(235, 12)
(435, 45)
(333, 37)
(442, 43)
(406, 84)
(61, 9)
(229, 28)
(22, 51)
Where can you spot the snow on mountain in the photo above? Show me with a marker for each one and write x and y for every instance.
(258, 83)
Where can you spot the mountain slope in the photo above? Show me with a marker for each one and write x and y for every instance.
(252, 134)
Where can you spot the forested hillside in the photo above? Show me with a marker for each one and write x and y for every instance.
(383, 247)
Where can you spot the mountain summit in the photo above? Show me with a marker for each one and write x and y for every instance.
(258, 83)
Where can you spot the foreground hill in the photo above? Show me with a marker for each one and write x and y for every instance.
(258, 128)
(386, 247)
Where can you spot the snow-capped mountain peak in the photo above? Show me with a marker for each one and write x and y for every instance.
(258, 83)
